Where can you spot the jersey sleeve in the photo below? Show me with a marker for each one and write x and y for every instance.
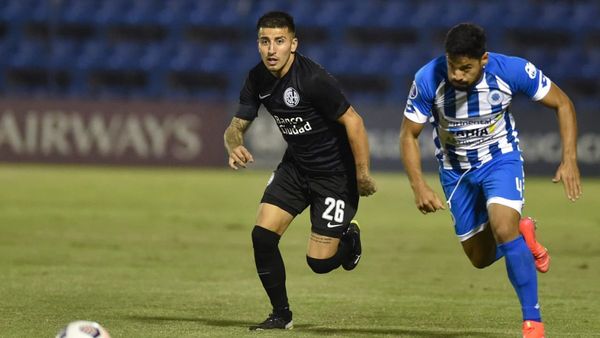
(326, 95)
(420, 98)
(249, 103)
(524, 77)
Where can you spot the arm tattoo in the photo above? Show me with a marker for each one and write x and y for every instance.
(234, 135)
(320, 239)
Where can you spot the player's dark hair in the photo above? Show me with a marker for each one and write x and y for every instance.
(465, 39)
(276, 19)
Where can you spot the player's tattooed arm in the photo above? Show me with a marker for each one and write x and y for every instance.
(426, 199)
(359, 143)
(234, 143)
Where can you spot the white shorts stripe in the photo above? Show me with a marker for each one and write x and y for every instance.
(471, 233)
(515, 204)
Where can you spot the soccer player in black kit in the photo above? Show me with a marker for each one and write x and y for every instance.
(325, 166)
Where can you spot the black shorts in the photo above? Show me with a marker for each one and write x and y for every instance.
(333, 199)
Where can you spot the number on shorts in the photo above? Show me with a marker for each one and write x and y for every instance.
(519, 183)
(338, 213)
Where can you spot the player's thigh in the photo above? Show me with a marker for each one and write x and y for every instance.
(466, 202)
(504, 187)
(322, 247)
(481, 247)
(285, 196)
(273, 218)
(504, 222)
(334, 202)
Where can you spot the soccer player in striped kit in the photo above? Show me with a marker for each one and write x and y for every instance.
(465, 94)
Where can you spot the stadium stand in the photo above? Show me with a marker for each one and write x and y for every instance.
(188, 49)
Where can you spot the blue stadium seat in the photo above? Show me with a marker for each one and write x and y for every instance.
(93, 55)
(64, 53)
(79, 11)
(7, 48)
(246, 57)
(205, 13)
(585, 16)
(397, 14)
(519, 13)
(320, 53)
(331, 13)
(41, 10)
(428, 14)
(562, 67)
(29, 54)
(541, 57)
(215, 58)
(185, 57)
(376, 60)
(125, 56)
(364, 13)
(554, 15)
(303, 11)
(155, 56)
(175, 13)
(454, 13)
(16, 12)
(406, 62)
(345, 60)
(144, 12)
(112, 12)
(590, 67)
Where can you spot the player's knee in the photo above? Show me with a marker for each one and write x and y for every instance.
(323, 265)
(480, 262)
(264, 239)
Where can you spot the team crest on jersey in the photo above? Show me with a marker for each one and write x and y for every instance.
(531, 70)
(413, 91)
(495, 97)
(291, 97)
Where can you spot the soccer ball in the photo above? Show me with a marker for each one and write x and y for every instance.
(83, 329)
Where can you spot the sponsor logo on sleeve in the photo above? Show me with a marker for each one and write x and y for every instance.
(530, 70)
(413, 91)
(544, 80)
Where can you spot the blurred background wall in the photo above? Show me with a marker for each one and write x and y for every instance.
(155, 82)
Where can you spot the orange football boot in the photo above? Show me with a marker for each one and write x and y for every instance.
(533, 329)
(527, 228)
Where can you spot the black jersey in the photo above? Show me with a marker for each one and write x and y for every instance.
(305, 104)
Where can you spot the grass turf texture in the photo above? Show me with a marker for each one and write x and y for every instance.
(167, 253)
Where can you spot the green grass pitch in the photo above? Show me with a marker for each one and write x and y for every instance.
(167, 253)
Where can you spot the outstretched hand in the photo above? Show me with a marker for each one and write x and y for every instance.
(239, 156)
(427, 200)
(366, 185)
(568, 173)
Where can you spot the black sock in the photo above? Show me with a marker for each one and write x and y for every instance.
(270, 268)
(345, 247)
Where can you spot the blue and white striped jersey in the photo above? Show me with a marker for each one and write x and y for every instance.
(472, 127)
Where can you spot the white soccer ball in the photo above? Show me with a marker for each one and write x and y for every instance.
(83, 329)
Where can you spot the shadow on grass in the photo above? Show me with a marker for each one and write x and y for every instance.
(206, 321)
(323, 330)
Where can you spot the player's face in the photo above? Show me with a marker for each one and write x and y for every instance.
(464, 71)
(276, 47)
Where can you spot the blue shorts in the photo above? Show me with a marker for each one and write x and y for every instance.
(469, 192)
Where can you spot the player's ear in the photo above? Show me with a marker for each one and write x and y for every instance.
(484, 59)
(294, 44)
